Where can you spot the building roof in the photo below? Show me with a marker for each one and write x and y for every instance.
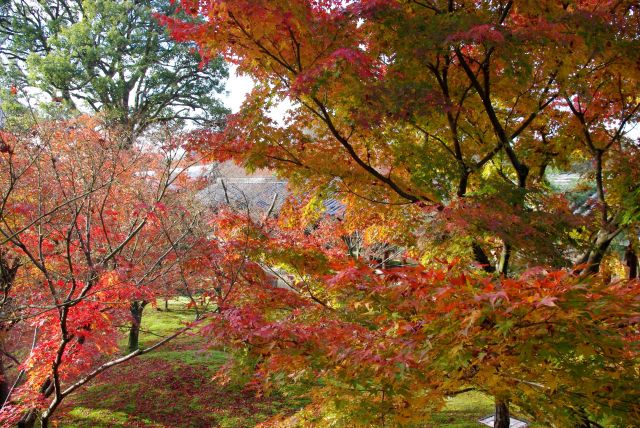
(231, 184)
(261, 190)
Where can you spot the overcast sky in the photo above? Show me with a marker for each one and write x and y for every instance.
(239, 86)
(237, 89)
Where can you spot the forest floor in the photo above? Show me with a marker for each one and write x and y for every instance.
(172, 387)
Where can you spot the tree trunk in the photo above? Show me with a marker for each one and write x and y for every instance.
(481, 257)
(28, 420)
(593, 257)
(505, 256)
(4, 383)
(597, 254)
(502, 417)
(631, 260)
(134, 330)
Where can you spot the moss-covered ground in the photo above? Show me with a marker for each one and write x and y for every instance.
(173, 387)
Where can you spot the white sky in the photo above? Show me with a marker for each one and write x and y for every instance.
(237, 89)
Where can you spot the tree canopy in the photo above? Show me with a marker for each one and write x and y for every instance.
(110, 57)
(459, 104)
(483, 155)
(90, 229)
(443, 127)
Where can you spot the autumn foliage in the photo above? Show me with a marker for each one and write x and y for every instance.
(447, 130)
(96, 228)
(388, 346)
(484, 161)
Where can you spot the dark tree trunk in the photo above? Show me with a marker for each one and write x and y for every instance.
(481, 257)
(4, 383)
(464, 181)
(28, 420)
(592, 258)
(631, 260)
(597, 254)
(134, 331)
(502, 418)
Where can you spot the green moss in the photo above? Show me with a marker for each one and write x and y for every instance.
(208, 358)
(230, 421)
(143, 392)
(158, 323)
(101, 418)
(463, 411)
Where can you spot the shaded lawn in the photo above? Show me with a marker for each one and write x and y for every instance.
(169, 387)
(166, 393)
(173, 387)
(463, 411)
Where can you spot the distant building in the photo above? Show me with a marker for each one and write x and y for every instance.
(230, 184)
(261, 190)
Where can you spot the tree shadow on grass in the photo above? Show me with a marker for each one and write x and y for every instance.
(165, 391)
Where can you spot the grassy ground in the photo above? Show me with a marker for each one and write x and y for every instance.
(464, 411)
(172, 387)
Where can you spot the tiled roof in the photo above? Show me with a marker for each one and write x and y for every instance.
(257, 189)
(334, 207)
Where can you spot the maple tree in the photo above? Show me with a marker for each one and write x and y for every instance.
(92, 230)
(386, 346)
(441, 127)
